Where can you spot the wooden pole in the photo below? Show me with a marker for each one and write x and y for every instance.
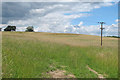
(101, 30)
(101, 34)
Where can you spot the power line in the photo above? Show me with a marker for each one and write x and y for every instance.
(101, 30)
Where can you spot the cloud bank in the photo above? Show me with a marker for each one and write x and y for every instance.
(53, 17)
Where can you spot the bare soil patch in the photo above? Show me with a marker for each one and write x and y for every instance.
(60, 74)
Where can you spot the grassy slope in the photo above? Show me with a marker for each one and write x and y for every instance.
(29, 55)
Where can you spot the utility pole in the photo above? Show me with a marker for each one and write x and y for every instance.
(101, 30)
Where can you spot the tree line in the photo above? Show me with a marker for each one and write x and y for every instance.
(13, 28)
(113, 36)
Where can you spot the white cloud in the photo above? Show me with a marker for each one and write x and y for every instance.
(21, 28)
(93, 30)
(114, 25)
(37, 11)
(117, 20)
(60, 0)
(52, 18)
(3, 26)
(80, 23)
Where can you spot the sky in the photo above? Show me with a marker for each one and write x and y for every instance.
(62, 17)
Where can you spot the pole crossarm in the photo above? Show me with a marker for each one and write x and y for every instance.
(102, 28)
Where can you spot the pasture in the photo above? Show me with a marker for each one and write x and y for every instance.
(34, 54)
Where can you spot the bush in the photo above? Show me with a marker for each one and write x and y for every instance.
(30, 29)
(10, 28)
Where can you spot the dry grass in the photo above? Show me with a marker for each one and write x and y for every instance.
(69, 39)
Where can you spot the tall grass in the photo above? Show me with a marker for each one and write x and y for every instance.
(30, 57)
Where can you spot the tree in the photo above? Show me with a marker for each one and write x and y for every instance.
(0, 29)
(10, 28)
(30, 29)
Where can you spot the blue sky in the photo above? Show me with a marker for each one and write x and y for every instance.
(107, 14)
(60, 17)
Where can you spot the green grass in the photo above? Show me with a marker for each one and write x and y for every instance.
(30, 57)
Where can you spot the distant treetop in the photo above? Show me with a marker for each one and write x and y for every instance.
(30, 29)
(10, 28)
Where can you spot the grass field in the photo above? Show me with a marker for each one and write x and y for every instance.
(31, 55)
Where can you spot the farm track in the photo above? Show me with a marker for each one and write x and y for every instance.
(99, 75)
